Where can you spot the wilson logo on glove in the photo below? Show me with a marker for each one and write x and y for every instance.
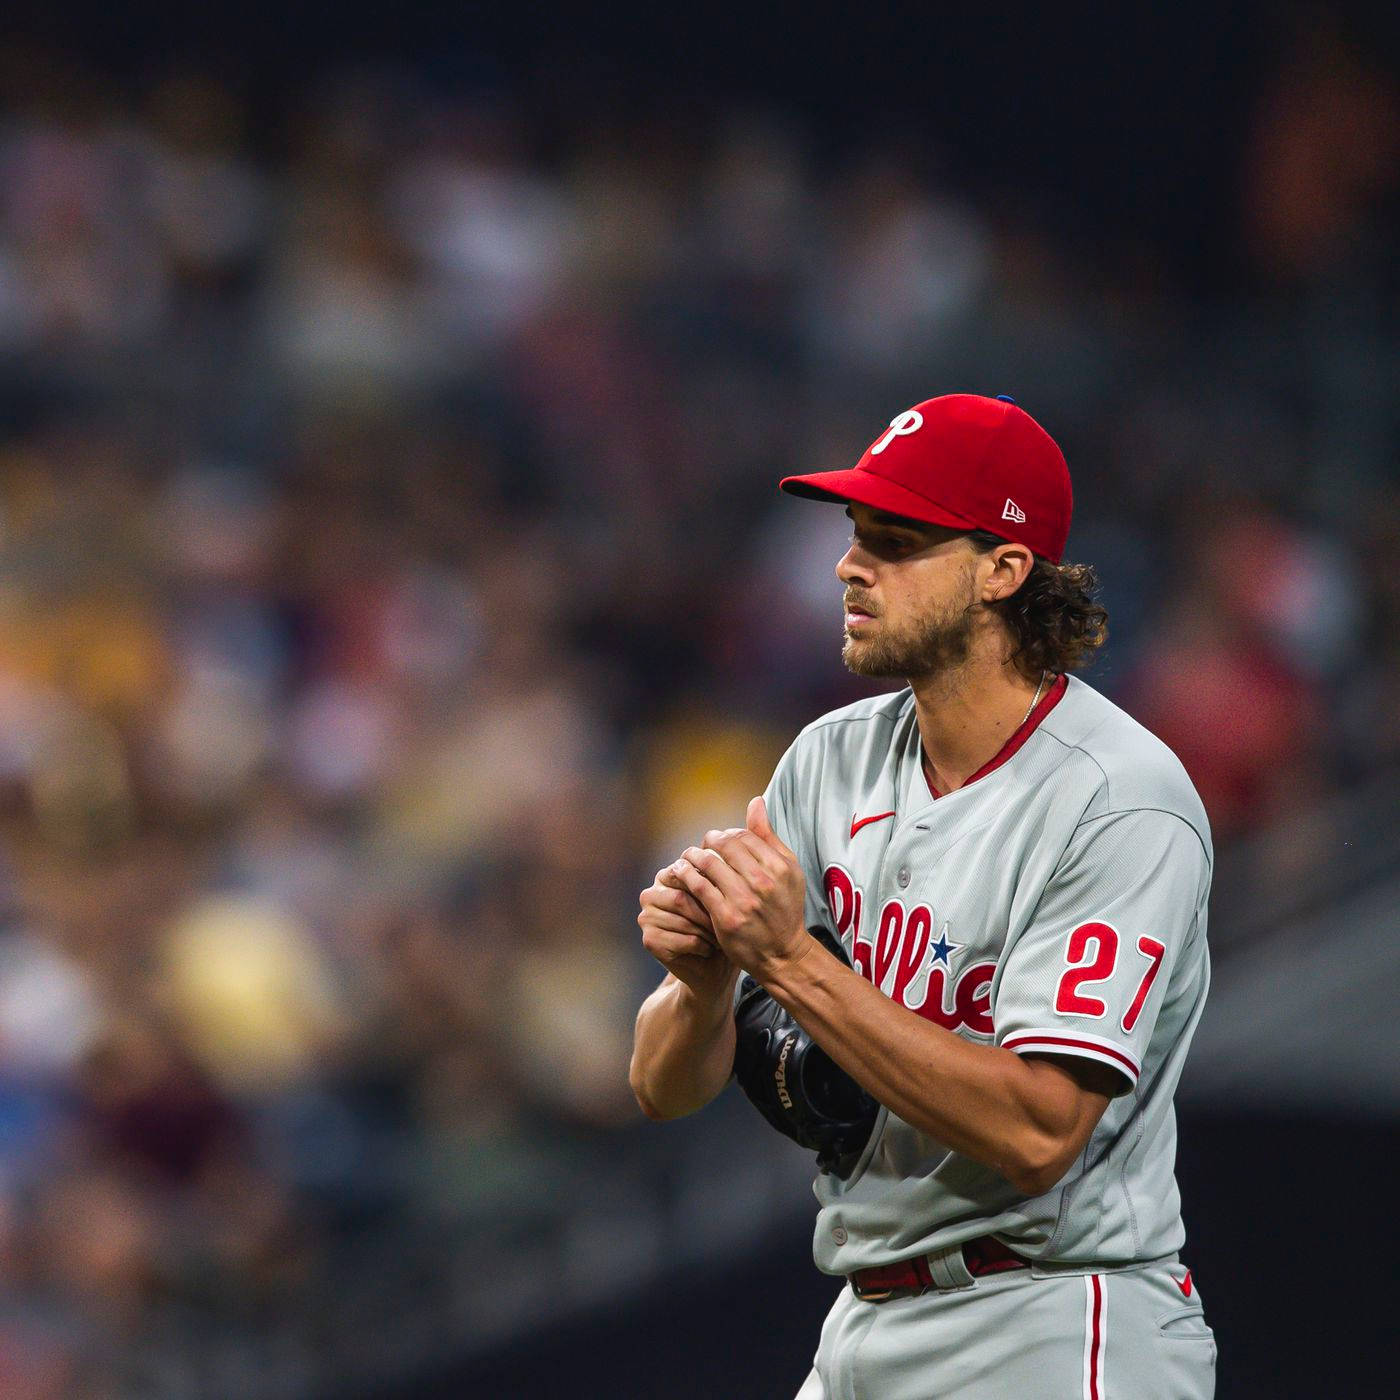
(780, 1074)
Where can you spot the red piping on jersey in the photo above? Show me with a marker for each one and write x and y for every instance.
(1096, 1340)
(1012, 746)
(1030, 1038)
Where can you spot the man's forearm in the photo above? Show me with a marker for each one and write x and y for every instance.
(683, 1050)
(1026, 1119)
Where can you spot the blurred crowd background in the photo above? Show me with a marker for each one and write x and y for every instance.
(392, 576)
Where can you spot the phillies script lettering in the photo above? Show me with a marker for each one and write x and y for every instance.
(898, 959)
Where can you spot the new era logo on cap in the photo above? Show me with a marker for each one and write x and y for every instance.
(965, 462)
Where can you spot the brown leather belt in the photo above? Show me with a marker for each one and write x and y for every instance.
(984, 1255)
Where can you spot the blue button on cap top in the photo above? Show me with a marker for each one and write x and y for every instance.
(1006, 398)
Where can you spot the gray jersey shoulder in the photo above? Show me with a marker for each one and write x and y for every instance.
(1136, 770)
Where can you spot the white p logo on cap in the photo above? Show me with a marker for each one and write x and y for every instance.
(901, 425)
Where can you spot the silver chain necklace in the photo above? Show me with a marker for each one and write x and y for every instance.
(1035, 700)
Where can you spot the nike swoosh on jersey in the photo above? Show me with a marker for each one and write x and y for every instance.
(1184, 1284)
(857, 823)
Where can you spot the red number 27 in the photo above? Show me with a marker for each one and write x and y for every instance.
(1098, 965)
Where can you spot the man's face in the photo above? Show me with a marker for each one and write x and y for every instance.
(911, 596)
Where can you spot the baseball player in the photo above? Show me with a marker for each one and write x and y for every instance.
(1016, 873)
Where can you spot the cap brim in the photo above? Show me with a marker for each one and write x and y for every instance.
(867, 489)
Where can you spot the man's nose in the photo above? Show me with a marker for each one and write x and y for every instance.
(854, 567)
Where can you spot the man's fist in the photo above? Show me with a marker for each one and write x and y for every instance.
(752, 891)
(677, 932)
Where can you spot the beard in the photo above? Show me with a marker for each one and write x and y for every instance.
(929, 645)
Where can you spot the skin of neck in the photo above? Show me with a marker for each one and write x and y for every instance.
(968, 712)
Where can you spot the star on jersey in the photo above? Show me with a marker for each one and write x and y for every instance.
(942, 951)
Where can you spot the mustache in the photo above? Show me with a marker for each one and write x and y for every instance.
(855, 601)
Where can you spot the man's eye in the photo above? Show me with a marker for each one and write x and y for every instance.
(882, 544)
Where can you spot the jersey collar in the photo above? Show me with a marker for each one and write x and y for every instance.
(1009, 749)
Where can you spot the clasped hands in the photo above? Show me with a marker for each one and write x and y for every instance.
(736, 900)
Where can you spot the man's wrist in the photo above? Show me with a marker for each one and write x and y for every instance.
(784, 974)
(707, 1007)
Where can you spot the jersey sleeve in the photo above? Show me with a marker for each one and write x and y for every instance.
(791, 819)
(1089, 974)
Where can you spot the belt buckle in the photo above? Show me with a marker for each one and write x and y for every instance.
(880, 1295)
(885, 1295)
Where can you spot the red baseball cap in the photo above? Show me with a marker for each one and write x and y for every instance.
(964, 461)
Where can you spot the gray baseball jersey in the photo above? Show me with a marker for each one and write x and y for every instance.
(1056, 903)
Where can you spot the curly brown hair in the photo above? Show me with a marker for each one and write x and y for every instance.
(1053, 617)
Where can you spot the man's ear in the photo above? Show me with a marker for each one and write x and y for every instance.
(1011, 566)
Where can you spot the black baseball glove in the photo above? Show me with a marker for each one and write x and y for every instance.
(794, 1083)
